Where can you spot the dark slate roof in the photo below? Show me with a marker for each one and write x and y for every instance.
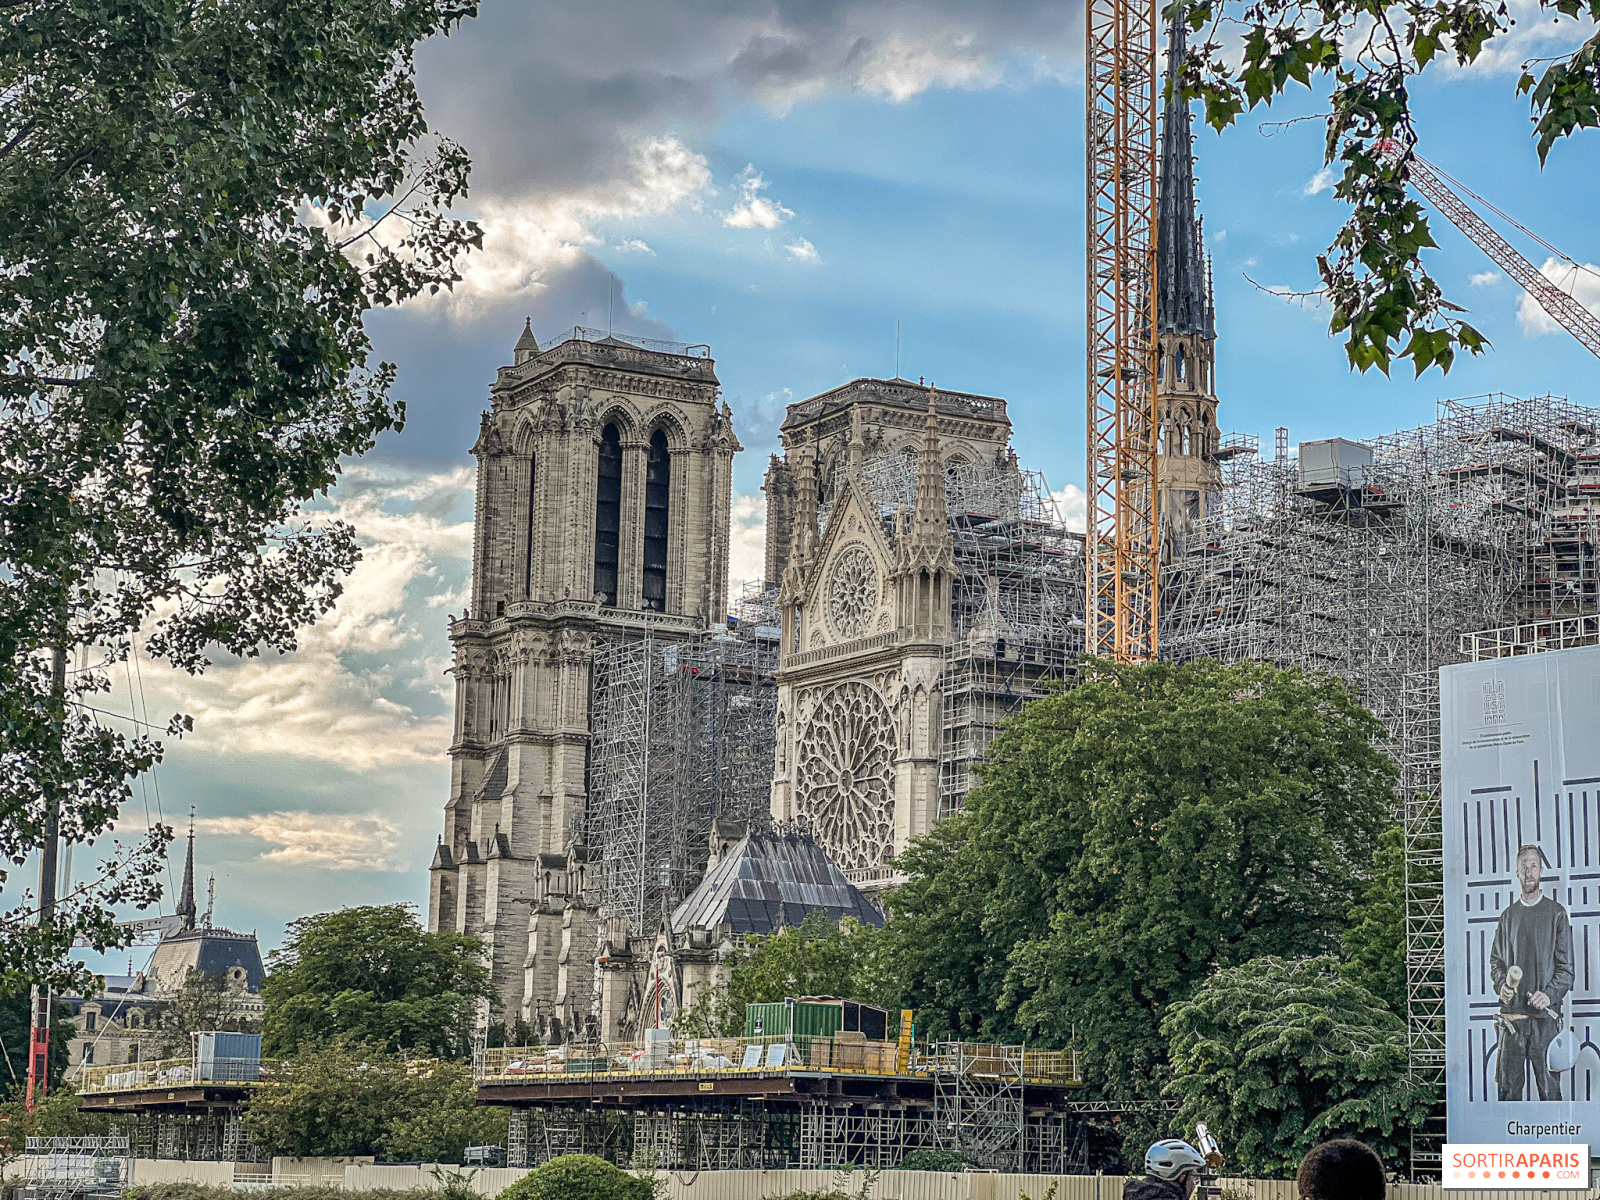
(771, 880)
(212, 952)
(494, 779)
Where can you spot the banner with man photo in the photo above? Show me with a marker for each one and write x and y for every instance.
(1520, 749)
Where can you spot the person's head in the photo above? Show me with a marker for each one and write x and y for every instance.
(1174, 1161)
(1530, 868)
(1344, 1169)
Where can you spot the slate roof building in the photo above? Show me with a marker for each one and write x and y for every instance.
(757, 882)
(118, 1024)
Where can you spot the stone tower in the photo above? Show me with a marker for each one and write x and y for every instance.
(1188, 470)
(867, 566)
(603, 491)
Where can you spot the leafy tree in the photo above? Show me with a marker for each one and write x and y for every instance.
(61, 1115)
(1130, 836)
(199, 203)
(441, 1117)
(818, 957)
(16, 1033)
(581, 1177)
(928, 1159)
(374, 977)
(1375, 942)
(1278, 1055)
(346, 1100)
(1383, 298)
(204, 1002)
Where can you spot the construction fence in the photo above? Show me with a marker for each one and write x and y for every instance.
(736, 1185)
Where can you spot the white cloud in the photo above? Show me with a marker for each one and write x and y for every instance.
(634, 246)
(1484, 278)
(366, 689)
(527, 238)
(903, 67)
(1072, 505)
(803, 251)
(1536, 33)
(747, 547)
(331, 841)
(1322, 181)
(754, 210)
(1582, 284)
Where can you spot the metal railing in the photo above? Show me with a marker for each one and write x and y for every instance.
(173, 1072)
(581, 333)
(847, 1054)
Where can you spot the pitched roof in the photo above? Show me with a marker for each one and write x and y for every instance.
(770, 880)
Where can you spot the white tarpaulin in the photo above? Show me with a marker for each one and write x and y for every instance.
(1520, 749)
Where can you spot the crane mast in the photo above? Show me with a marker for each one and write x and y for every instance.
(1122, 545)
(1563, 309)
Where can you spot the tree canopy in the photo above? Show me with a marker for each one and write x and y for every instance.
(373, 977)
(1382, 297)
(1375, 942)
(1278, 1055)
(818, 957)
(343, 1100)
(1130, 836)
(198, 204)
(582, 1177)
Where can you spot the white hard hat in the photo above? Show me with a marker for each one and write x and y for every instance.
(1171, 1158)
(1563, 1053)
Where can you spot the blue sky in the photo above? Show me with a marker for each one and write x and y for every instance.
(754, 178)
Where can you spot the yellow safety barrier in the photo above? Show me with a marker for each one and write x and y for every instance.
(841, 1054)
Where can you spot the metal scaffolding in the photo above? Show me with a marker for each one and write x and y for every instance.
(682, 734)
(1470, 536)
(1017, 622)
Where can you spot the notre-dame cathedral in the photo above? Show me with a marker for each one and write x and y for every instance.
(920, 586)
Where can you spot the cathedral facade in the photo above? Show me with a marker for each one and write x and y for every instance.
(603, 491)
(868, 588)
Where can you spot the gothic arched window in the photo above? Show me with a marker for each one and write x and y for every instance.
(1183, 366)
(533, 506)
(608, 515)
(657, 487)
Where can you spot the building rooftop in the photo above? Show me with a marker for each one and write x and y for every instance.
(768, 881)
(897, 393)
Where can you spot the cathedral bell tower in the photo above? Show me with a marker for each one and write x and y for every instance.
(603, 492)
(1188, 469)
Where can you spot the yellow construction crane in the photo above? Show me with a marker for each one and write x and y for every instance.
(1441, 191)
(1123, 543)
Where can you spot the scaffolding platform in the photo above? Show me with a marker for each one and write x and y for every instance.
(718, 1104)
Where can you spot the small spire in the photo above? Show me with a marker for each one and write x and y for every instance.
(527, 345)
(186, 906)
(858, 445)
(929, 519)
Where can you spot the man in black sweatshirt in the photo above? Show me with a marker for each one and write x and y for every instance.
(1530, 966)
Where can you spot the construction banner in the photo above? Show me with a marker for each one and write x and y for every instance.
(1520, 752)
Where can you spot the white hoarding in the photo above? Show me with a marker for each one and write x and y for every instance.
(1520, 748)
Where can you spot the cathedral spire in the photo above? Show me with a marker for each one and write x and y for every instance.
(1183, 284)
(186, 906)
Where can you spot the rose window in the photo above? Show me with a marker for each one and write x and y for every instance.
(845, 776)
(852, 593)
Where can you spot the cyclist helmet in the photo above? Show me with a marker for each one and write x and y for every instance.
(1170, 1159)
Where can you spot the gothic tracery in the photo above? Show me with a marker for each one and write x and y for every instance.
(845, 761)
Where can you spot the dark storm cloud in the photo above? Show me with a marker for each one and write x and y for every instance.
(553, 95)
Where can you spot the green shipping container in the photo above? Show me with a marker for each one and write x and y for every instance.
(793, 1019)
